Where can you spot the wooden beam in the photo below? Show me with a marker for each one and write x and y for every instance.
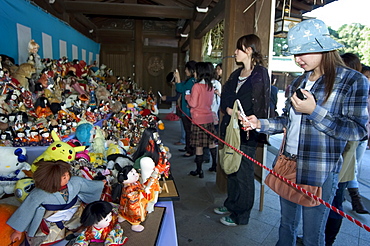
(211, 20)
(85, 21)
(122, 9)
(52, 9)
(203, 3)
(167, 2)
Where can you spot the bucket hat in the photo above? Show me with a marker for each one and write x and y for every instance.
(310, 36)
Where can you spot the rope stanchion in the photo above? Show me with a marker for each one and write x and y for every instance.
(336, 210)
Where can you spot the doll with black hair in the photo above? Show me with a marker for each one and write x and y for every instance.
(150, 145)
(101, 221)
(132, 201)
(6, 139)
(146, 147)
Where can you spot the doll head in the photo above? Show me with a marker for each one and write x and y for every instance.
(128, 175)
(50, 176)
(33, 47)
(98, 214)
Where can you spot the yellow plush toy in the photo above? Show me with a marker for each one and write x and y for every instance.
(58, 150)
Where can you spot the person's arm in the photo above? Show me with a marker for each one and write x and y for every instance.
(171, 99)
(350, 124)
(228, 94)
(261, 92)
(193, 98)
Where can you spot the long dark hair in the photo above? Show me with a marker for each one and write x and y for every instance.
(253, 41)
(147, 138)
(204, 72)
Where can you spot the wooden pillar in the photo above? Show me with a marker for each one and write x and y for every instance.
(256, 20)
(195, 44)
(138, 62)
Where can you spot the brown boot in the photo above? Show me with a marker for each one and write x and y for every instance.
(357, 204)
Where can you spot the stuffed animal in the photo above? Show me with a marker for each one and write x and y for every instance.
(23, 187)
(84, 132)
(100, 220)
(58, 150)
(12, 162)
(98, 141)
(23, 73)
(6, 210)
(116, 155)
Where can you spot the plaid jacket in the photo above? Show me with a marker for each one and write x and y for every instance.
(324, 133)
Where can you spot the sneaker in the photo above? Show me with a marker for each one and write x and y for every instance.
(227, 221)
(221, 210)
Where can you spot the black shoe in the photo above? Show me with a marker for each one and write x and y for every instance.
(194, 173)
(182, 150)
(212, 169)
(201, 174)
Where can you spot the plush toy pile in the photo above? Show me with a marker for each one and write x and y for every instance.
(42, 95)
(86, 117)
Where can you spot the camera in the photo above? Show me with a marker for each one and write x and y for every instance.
(300, 95)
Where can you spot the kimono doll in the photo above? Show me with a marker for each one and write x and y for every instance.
(149, 177)
(33, 138)
(101, 221)
(151, 145)
(53, 207)
(132, 202)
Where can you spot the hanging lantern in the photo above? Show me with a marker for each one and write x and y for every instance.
(284, 23)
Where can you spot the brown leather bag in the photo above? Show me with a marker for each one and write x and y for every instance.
(287, 168)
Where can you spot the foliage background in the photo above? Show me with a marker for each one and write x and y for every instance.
(355, 38)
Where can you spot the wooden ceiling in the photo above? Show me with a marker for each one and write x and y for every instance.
(107, 20)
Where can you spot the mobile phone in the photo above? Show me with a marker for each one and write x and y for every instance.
(300, 95)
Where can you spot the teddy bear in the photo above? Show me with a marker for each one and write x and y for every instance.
(23, 74)
(13, 161)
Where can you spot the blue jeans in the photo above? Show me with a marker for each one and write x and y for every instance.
(182, 139)
(240, 189)
(314, 218)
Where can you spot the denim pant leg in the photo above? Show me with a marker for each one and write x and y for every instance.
(314, 218)
(338, 200)
(183, 138)
(240, 189)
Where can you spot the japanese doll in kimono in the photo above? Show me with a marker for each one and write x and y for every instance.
(133, 204)
(101, 221)
(53, 208)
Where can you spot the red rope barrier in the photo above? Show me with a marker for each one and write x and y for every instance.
(340, 212)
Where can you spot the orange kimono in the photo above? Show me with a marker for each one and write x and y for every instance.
(133, 203)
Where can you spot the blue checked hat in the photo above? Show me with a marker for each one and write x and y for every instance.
(310, 36)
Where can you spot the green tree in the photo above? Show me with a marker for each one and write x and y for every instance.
(280, 46)
(355, 38)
